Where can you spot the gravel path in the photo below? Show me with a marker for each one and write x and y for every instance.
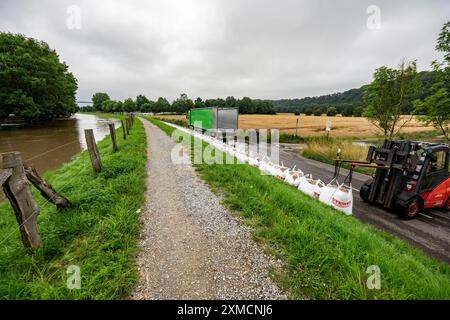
(191, 246)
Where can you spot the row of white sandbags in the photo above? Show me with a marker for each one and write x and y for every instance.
(339, 196)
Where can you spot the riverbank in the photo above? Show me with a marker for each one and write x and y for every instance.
(98, 232)
(326, 254)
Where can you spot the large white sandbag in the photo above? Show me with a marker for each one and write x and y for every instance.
(293, 178)
(242, 157)
(342, 199)
(282, 172)
(253, 161)
(327, 192)
(307, 186)
(318, 188)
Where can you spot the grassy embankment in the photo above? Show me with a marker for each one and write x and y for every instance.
(326, 253)
(98, 232)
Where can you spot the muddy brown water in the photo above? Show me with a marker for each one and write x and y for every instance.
(47, 146)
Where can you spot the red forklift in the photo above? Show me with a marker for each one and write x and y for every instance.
(409, 176)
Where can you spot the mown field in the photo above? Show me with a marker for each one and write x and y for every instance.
(326, 254)
(98, 232)
(314, 125)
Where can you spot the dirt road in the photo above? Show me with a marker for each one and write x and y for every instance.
(429, 232)
(191, 246)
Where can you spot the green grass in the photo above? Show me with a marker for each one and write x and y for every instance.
(98, 233)
(326, 253)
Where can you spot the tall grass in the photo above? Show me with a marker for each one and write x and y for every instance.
(326, 254)
(325, 150)
(98, 232)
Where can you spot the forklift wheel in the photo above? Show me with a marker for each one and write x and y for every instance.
(412, 209)
(365, 190)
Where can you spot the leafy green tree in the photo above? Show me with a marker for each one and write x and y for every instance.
(358, 111)
(129, 105)
(34, 84)
(140, 100)
(147, 107)
(199, 103)
(317, 111)
(308, 111)
(246, 106)
(348, 111)
(98, 99)
(435, 109)
(182, 105)
(331, 111)
(230, 102)
(387, 97)
(162, 105)
(109, 105)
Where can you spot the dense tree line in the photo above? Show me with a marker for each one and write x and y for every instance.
(34, 84)
(102, 102)
(350, 102)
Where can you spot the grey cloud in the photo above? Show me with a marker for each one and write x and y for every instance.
(211, 48)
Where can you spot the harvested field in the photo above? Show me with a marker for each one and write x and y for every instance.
(314, 125)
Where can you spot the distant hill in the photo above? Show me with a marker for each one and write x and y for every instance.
(350, 99)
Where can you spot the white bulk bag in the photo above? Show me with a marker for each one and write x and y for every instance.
(293, 178)
(282, 171)
(253, 161)
(342, 199)
(318, 188)
(307, 186)
(327, 192)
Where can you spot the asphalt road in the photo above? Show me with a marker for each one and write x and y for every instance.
(429, 232)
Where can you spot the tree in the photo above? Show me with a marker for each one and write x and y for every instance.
(358, 111)
(34, 84)
(98, 99)
(140, 100)
(331, 111)
(182, 105)
(199, 103)
(109, 105)
(317, 111)
(308, 111)
(246, 106)
(162, 105)
(147, 107)
(389, 94)
(348, 111)
(129, 105)
(435, 109)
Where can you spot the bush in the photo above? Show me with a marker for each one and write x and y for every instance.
(331, 111)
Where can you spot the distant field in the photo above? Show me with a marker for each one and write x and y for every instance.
(315, 126)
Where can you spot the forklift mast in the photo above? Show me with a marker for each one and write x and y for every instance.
(392, 160)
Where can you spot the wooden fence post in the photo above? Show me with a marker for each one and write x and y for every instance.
(124, 129)
(93, 150)
(128, 125)
(112, 131)
(46, 189)
(17, 189)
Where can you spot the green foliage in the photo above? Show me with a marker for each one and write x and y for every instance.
(140, 100)
(331, 111)
(129, 105)
(308, 111)
(389, 95)
(98, 99)
(34, 84)
(318, 111)
(99, 232)
(435, 108)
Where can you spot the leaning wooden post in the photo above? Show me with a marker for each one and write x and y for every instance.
(127, 122)
(93, 151)
(45, 188)
(112, 131)
(124, 129)
(17, 189)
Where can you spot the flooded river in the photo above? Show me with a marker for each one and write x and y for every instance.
(48, 146)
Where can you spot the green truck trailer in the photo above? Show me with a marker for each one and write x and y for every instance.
(213, 118)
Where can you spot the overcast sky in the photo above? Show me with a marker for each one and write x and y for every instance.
(216, 48)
